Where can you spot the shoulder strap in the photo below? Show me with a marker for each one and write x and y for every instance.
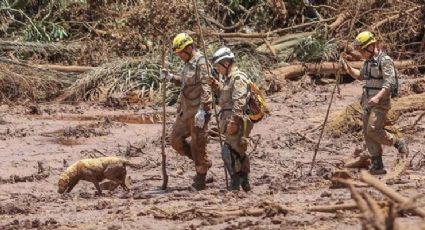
(380, 60)
(197, 63)
(380, 65)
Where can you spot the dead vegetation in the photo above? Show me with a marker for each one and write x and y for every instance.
(314, 34)
(24, 83)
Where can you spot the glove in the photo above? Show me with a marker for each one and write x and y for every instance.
(200, 118)
(165, 74)
(212, 82)
(232, 127)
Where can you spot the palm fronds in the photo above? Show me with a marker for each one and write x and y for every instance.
(121, 77)
(40, 48)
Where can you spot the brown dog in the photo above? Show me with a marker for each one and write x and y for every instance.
(95, 170)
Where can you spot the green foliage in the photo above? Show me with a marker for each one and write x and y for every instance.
(317, 47)
(251, 66)
(44, 31)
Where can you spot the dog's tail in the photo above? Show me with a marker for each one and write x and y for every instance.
(132, 165)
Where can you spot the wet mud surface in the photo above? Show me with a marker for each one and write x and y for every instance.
(36, 148)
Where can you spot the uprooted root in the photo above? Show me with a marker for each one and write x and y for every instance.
(85, 131)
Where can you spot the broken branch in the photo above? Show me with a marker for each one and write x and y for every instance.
(67, 69)
(391, 193)
(337, 207)
(394, 17)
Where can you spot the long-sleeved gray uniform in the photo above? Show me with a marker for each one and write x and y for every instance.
(378, 73)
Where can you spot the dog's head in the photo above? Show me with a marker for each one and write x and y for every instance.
(63, 183)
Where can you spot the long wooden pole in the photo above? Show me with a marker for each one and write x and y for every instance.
(338, 76)
(195, 4)
(326, 119)
(164, 94)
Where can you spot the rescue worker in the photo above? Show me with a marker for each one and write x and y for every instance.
(194, 106)
(234, 123)
(379, 75)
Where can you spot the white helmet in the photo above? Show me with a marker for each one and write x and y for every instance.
(221, 54)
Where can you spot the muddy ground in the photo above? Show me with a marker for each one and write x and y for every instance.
(38, 143)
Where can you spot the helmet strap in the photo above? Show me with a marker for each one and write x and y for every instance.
(372, 53)
(189, 54)
(226, 67)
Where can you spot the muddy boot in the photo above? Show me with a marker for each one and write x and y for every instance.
(401, 146)
(235, 183)
(199, 181)
(245, 182)
(377, 167)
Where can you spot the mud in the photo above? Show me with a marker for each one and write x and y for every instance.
(281, 151)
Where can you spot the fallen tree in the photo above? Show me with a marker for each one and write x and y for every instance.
(295, 71)
(68, 69)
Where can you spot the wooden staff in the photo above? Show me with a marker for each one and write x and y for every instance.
(164, 94)
(338, 76)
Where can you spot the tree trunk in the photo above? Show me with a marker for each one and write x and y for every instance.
(325, 68)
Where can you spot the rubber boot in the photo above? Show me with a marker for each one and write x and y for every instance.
(377, 167)
(245, 182)
(401, 146)
(199, 181)
(235, 182)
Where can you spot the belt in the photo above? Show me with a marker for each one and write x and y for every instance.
(375, 88)
(367, 88)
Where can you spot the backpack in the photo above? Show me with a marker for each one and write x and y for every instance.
(255, 107)
(394, 87)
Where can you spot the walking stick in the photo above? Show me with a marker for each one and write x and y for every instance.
(195, 4)
(338, 79)
(164, 94)
(338, 76)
